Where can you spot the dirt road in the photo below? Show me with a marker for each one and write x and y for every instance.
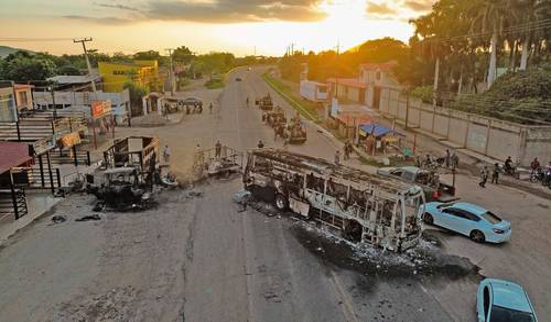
(199, 258)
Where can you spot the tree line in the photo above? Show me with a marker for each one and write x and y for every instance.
(455, 56)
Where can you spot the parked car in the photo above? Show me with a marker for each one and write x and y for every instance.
(470, 220)
(434, 188)
(503, 301)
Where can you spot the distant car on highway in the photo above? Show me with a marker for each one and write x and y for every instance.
(503, 301)
(470, 220)
(238, 79)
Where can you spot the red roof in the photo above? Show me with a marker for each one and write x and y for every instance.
(349, 82)
(13, 154)
(384, 67)
(353, 118)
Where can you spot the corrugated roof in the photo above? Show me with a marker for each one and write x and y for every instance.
(74, 79)
(384, 67)
(13, 154)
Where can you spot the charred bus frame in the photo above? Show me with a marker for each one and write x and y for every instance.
(366, 207)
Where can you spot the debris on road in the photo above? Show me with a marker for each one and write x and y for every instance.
(94, 217)
(424, 261)
(57, 219)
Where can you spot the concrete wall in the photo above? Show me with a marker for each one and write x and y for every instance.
(488, 136)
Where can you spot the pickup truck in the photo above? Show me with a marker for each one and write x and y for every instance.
(434, 189)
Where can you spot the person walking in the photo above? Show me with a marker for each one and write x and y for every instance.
(337, 157)
(496, 171)
(346, 151)
(484, 176)
(454, 160)
(210, 108)
(218, 148)
(447, 158)
(167, 154)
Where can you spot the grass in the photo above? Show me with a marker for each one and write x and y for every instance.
(214, 83)
(305, 108)
(393, 162)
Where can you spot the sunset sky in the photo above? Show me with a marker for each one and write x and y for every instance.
(204, 25)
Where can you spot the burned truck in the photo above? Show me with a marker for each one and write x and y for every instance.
(365, 207)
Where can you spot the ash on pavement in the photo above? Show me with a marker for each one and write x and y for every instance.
(424, 262)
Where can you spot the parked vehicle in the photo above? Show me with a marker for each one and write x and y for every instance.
(503, 301)
(434, 189)
(365, 207)
(470, 220)
(541, 176)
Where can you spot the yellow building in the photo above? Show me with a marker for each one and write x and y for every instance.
(142, 72)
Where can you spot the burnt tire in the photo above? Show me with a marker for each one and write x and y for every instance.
(427, 218)
(477, 236)
(281, 202)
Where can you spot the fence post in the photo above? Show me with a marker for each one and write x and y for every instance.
(88, 158)
(75, 158)
(50, 171)
(14, 199)
(41, 170)
(18, 131)
(58, 175)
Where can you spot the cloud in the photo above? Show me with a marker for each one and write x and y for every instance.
(419, 5)
(116, 6)
(217, 11)
(100, 20)
(379, 9)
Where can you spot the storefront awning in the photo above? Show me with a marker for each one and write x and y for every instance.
(378, 130)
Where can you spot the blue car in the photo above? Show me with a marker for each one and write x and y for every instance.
(470, 220)
(503, 301)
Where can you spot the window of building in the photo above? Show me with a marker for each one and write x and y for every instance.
(378, 75)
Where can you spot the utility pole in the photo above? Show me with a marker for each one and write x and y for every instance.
(52, 89)
(292, 52)
(83, 42)
(170, 51)
(255, 51)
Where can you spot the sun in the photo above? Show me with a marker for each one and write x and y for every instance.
(344, 11)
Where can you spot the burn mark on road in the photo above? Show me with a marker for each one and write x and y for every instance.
(426, 262)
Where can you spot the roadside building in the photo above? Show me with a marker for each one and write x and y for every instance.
(376, 77)
(76, 83)
(14, 155)
(313, 91)
(143, 72)
(23, 96)
(8, 110)
(348, 89)
(81, 102)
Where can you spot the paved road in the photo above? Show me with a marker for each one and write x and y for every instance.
(200, 259)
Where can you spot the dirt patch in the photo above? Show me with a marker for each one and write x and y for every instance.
(111, 306)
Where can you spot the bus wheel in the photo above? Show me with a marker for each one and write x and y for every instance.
(281, 202)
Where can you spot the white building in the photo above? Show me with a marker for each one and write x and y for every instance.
(376, 77)
(313, 91)
(120, 102)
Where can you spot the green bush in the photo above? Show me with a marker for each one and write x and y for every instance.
(425, 93)
(520, 97)
(214, 83)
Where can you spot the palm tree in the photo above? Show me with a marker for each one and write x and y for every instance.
(533, 12)
(489, 18)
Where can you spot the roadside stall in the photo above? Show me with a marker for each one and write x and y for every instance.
(378, 139)
(101, 119)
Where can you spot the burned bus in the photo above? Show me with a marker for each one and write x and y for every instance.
(366, 208)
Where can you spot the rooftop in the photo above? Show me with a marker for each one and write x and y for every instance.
(349, 82)
(74, 79)
(384, 67)
(13, 154)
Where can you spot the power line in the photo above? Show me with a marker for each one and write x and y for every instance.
(19, 39)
